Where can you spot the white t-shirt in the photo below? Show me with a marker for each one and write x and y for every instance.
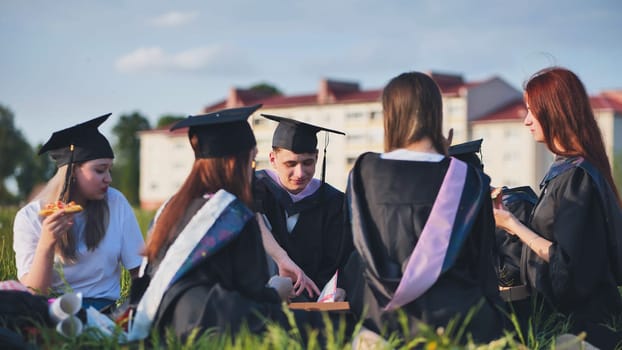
(97, 273)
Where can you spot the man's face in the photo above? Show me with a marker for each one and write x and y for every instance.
(295, 170)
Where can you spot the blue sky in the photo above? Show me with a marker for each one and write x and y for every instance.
(66, 61)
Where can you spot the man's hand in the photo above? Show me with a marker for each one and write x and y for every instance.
(449, 138)
(288, 268)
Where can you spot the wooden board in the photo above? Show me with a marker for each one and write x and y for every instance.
(314, 306)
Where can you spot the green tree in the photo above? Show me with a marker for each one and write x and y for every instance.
(127, 154)
(168, 119)
(266, 88)
(14, 149)
(33, 171)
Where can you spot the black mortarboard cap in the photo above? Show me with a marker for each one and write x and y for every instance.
(468, 152)
(79, 143)
(222, 133)
(296, 136)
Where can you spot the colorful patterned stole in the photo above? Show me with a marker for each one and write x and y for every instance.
(224, 216)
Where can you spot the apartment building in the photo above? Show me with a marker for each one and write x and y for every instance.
(490, 109)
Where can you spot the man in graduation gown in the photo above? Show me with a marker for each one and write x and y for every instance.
(304, 214)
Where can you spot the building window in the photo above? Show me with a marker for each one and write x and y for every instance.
(453, 107)
(510, 156)
(481, 134)
(356, 138)
(375, 115)
(354, 115)
(510, 132)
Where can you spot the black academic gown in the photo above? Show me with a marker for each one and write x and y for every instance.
(226, 290)
(396, 199)
(317, 244)
(578, 280)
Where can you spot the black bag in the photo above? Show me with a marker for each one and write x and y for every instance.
(19, 310)
(520, 202)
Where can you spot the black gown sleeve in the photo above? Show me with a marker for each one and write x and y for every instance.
(335, 241)
(577, 260)
(243, 266)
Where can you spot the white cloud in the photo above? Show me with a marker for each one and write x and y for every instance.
(143, 59)
(174, 19)
(218, 59)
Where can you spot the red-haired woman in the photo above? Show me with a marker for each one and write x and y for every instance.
(573, 234)
(206, 263)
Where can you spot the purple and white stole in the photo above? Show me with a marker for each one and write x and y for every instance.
(428, 257)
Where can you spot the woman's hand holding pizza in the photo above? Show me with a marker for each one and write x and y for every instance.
(54, 225)
(58, 220)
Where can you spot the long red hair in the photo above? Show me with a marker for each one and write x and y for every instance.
(558, 99)
(208, 175)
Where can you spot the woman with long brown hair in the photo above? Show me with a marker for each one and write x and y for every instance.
(206, 266)
(83, 251)
(422, 224)
(572, 238)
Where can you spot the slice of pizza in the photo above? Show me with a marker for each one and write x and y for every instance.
(51, 208)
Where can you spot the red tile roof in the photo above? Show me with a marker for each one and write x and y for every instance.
(330, 91)
(512, 111)
(285, 101)
(608, 100)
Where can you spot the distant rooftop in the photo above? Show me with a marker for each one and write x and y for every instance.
(329, 92)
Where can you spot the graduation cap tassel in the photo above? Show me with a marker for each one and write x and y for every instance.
(322, 187)
(65, 194)
(324, 160)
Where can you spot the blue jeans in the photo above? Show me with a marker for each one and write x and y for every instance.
(97, 303)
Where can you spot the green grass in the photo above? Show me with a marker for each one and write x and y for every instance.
(539, 335)
(277, 337)
(7, 257)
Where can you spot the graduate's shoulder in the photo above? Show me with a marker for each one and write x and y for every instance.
(330, 191)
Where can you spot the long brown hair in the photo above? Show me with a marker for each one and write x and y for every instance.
(97, 216)
(208, 175)
(558, 99)
(413, 109)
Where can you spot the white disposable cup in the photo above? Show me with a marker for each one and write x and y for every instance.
(70, 326)
(65, 306)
